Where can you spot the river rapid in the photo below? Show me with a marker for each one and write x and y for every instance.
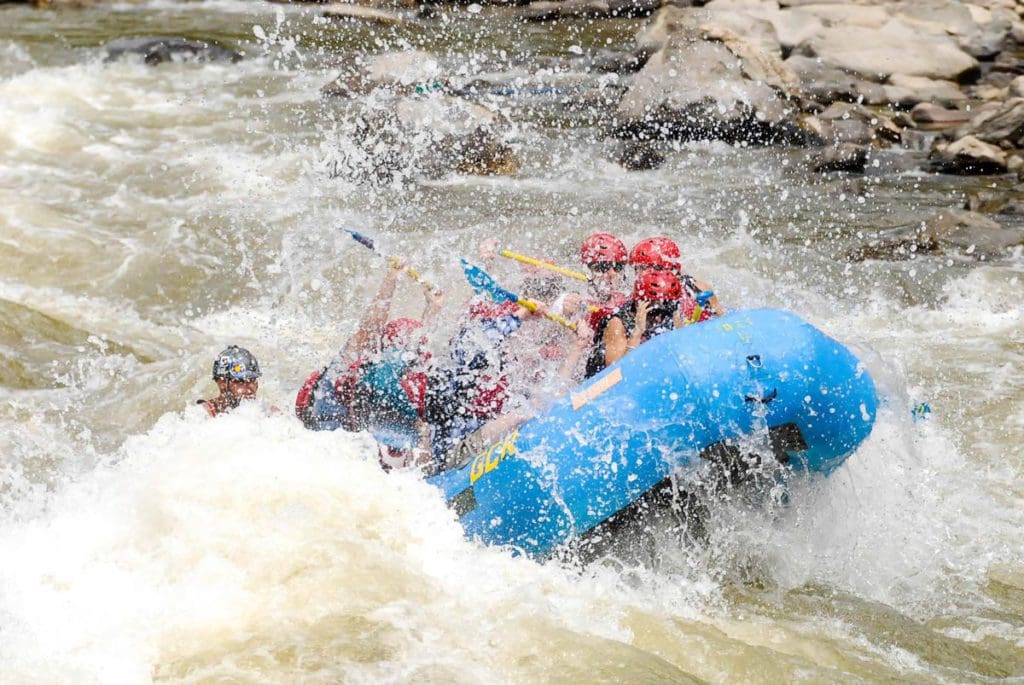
(149, 216)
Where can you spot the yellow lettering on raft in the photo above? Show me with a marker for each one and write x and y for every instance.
(488, 460)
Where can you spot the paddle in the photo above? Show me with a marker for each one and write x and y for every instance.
(483, 283)
(508, 254)
(367, 241)
(702, 299)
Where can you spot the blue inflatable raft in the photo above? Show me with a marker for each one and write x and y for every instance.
(664, 407)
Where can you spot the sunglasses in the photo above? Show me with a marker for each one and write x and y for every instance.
(604, 267)
(662, 309)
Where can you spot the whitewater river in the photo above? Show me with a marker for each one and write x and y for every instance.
(149, 216)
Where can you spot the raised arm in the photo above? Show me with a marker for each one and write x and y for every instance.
(371, 326)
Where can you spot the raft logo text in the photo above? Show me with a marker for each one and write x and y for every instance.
(487, 461)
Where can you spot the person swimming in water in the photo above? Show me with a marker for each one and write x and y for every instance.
(236, 373)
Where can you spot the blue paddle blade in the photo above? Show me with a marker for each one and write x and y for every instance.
(483, 283)
(360, 238)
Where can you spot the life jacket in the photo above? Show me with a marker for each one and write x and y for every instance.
(601, 310)
(385, 397)
(304, 398)
(626, 314)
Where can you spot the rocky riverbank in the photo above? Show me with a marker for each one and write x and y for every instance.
(845, 81)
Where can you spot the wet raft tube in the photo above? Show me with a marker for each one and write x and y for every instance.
(662, 407)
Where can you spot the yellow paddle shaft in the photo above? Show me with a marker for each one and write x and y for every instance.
(508, 254)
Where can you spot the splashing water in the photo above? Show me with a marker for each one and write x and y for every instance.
(148, 216)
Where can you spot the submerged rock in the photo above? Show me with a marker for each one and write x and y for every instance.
(950, 231)
(706, 81)
(156, 50)
(641, 155)
(974, 233)
(843, 157)
(400, 139)
(546, 10)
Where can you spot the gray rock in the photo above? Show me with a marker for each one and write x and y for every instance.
(1016, 88)
(927, 113)
(1008, 62)
(828, 84)
(157, 50)
(908, 91)
(1004, 124)
(968, 156)
(706, 81)
(896, 47)
(843, 157)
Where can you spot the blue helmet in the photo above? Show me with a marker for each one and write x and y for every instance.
(236, 364)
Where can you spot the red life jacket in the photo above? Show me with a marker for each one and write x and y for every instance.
(489, 397)
(604, 309)
(304, 399)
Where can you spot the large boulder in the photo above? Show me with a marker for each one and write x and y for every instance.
(894, 48)
(977, 30)
(708, 81)
(827, 84)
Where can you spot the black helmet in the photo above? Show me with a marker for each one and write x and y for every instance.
(236, 364)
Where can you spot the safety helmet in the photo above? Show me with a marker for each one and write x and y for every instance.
(397, 329)
(656, 285)
(660, 253)
(236, 364)
(603, 247)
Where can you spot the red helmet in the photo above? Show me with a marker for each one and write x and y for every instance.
(397, 329)
(660, 253)
(603, 247)
(656, 285)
